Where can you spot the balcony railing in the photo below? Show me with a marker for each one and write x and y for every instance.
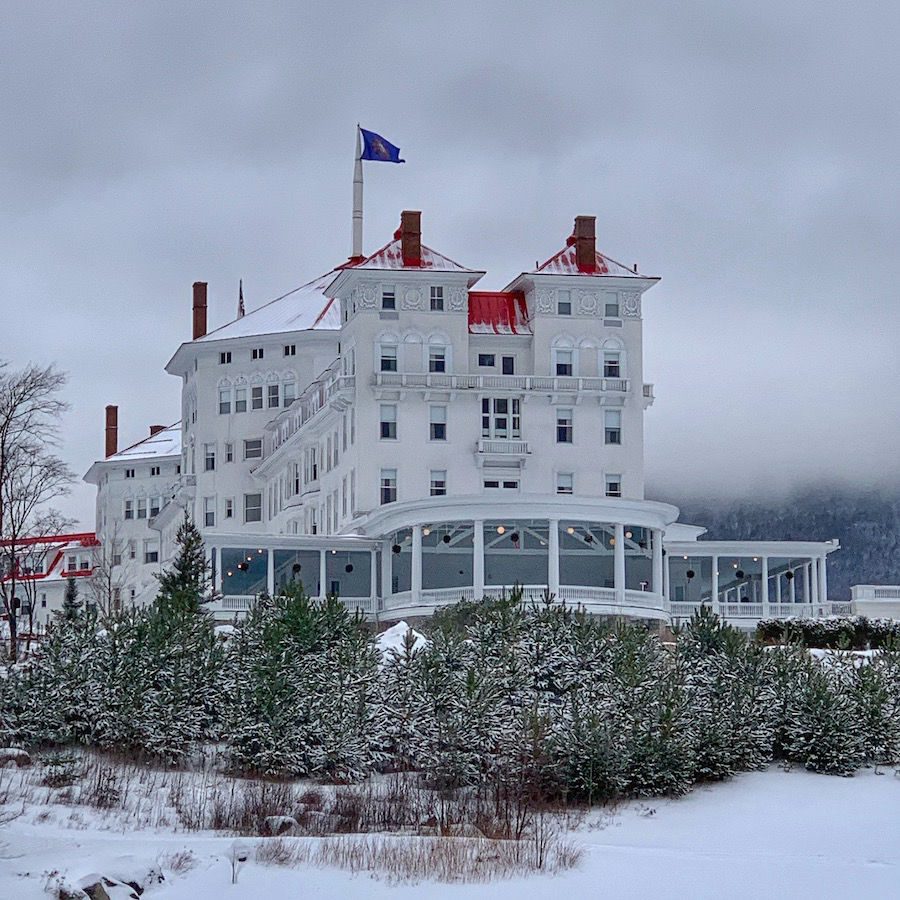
(462, 382)
(503, 447)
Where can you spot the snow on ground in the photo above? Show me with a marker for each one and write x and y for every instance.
(393, 639)
(770, 834)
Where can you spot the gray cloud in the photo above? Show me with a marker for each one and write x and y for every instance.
(744, 152)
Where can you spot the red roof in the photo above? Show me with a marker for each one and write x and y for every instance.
(498, 312)
(563, 263)
(391, 257)
(84, 538)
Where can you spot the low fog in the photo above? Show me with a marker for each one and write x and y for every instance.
(745, 155)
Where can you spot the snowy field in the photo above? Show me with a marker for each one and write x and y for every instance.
(770, 834)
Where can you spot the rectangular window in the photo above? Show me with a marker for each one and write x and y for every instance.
(438, 423)
(509, 365)
(253, 507)
(511, 485)
(290, 349)
(229, 452)
(225, 358)
(151, 552)
(209, 512)
(612, 421)
(612, 365)
(253, 448)
(117, 559)
(487, 360)
(613, 485)
(611, 309)
(565, 483)
(437, 299)
(564, 426)
(388, 422)
(564, 362)
(129, 473)
(289, 393)
(142, 509)
(437, 359)
(209, 457)
(154, 470)
(229, 509)
(388, 358)
(257, 353)
(388, 297)
(388, 486)
(274, 392)
(129, 509)
(224, 401)
(72, 563)
(438, 482)
(563, 303)
(155, 503)
(256, 397)
(132, 552)
(240, 399)
(501, 418)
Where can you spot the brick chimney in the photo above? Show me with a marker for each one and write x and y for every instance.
(156, 429)
(411, 237)
(112, 430)
(585, 243)
(199, 309)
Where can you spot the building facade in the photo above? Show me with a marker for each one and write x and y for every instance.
(391, 434)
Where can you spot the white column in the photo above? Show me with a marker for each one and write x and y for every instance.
(323, 587)
(270, 572)
(656, 546)
(219, 580)
(823, 581)
(806, 598)
(814, 578)
(416, 575)
(764, 585)
(373, 580)
(619, 564)
(778, 588)
(553, 557)
(714, 584)
(792, 591)
(666, 586)
(478, 560)
(387, 555)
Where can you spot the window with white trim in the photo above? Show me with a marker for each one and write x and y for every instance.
(229, 508)
(563, 303)
(565, 483)
(437, 427)
(613, 485)
(290, 349)
(229, 452)
(563, 362)
(437, 358)
(388, 297)
(256, 397)
(225, 358)
(155, 505)
(289, 393)
(564, 426)
(438, 482)
(253, 448)
(612, 365)
(487, 360)
(388, 425)
(129, 509)
(142, 508)
(274, 393)
(253, 507)
(257, 353)
(224, 401)
(388, 360)
(154, 470)
(240, 399)
(209, 457)
(501, 417)
(612, 426)
(388, 486)
(151, 551)
(501, 484)
(129, 473)
(437, 298)
(209, 512)
(611, 307)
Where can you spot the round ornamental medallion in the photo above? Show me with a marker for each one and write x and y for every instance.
(631, 304)
(412, 299)
(588, 303)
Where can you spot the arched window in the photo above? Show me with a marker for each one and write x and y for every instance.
(564, 356)
(612, 359)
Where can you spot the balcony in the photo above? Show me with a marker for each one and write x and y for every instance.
(549, 384)
(505, 450)
(648, 395)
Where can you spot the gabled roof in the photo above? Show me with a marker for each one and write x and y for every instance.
(301, 309)
(563, 263)
(391, 257)
(498, 312)
(164, 443)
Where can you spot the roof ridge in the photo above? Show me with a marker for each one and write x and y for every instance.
(141, 441)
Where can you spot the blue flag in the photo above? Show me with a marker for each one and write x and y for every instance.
(375, 147)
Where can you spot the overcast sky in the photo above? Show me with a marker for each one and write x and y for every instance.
(745, 152)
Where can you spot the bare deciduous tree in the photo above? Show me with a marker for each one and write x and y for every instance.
(31, 475)
(112, 570)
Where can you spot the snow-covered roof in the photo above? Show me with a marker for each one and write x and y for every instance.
(391, 257)
(301, 309)
(563, 263)
(498, 312)
(164, 443)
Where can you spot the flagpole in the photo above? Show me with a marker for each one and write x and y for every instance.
(358, 198)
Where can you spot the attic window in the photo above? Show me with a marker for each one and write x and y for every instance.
(563, 304)
(225, 358)
(257, 353)
(388, 297)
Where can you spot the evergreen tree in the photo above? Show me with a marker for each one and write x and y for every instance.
(71, 607)
(187, 582)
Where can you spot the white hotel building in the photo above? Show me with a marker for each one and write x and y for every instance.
(390, 434)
